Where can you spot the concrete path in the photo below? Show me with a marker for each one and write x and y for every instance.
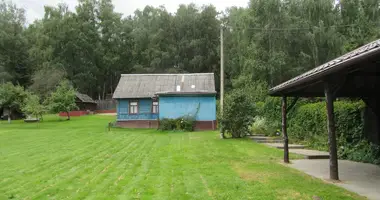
(311, 154)
(360, 178)
(281, 146)
(278, 143)
(264, 139)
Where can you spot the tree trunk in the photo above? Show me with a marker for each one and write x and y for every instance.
(284, 131)
(104, 90)
(334, 175)
(9, 115)
(68, 115)
(111, 85)
(222, 135)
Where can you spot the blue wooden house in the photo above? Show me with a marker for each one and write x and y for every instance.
(143, 99)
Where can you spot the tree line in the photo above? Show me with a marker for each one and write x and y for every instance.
(266, 43)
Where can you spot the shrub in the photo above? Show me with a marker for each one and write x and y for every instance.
(238, 114)
(262, 126)
(167, 124)
(33, 107)
(62, 99)
(271, 109)
(308, 125)
(12, 97)
(362, 151)
(186, 123)
(259, 126)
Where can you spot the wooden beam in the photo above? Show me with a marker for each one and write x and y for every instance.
(289, 108)
(284, 131)
(334, 175)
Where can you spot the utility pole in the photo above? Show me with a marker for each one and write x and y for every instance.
(221, 78)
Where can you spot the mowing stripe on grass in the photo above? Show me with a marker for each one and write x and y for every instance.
(79, 159)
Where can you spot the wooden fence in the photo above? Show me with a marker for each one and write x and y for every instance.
(106, 105)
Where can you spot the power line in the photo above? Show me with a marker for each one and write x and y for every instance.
(285, 29)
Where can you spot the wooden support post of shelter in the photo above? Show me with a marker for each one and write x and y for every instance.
(284, 131)
(331, 131)
(355, 75)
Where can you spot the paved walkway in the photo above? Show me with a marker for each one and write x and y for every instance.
(311, 154)
(360, 178)
(281, 146)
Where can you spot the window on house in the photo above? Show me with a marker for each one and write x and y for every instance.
(133, 107)
(155, 107)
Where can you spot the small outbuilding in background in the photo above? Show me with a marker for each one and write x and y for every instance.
(85, 105)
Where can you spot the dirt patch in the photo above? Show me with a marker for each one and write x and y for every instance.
(287, 194)
(209, 192)
(119, 179)
(251, 174)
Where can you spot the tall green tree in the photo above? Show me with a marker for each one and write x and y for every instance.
(4, 75)
(45, 80)
(13, 44)
(267, 42)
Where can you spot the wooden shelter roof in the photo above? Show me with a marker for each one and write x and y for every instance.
(85, 98)
(355, 75)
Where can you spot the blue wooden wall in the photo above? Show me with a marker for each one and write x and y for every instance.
(178, 106)
(145, 110)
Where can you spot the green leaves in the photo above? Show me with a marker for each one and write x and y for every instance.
(14, 64)
(12, 96)
(185, 123)
(270, 41)
(33, 107)
(63, 98)
(238, 113)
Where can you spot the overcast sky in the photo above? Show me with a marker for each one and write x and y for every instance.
(35, 8)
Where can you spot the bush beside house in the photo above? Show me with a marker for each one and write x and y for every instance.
(238, 114)
(180, 124)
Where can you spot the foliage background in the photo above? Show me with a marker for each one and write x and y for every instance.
(266, 43)
(269, 41)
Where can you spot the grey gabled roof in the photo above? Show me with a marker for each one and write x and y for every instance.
(84, 98)
(334, 65)
(148, 85)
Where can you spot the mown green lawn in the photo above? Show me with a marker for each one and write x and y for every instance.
(80, 159)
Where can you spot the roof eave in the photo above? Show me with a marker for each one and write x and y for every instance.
(281, 90)
(186, 93)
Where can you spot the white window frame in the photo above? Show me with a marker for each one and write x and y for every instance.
(155, 108)
(133, 107)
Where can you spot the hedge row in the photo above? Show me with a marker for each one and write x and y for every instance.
(307, 125)
(179, 124)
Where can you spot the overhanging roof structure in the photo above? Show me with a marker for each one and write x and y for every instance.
(355, 73)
